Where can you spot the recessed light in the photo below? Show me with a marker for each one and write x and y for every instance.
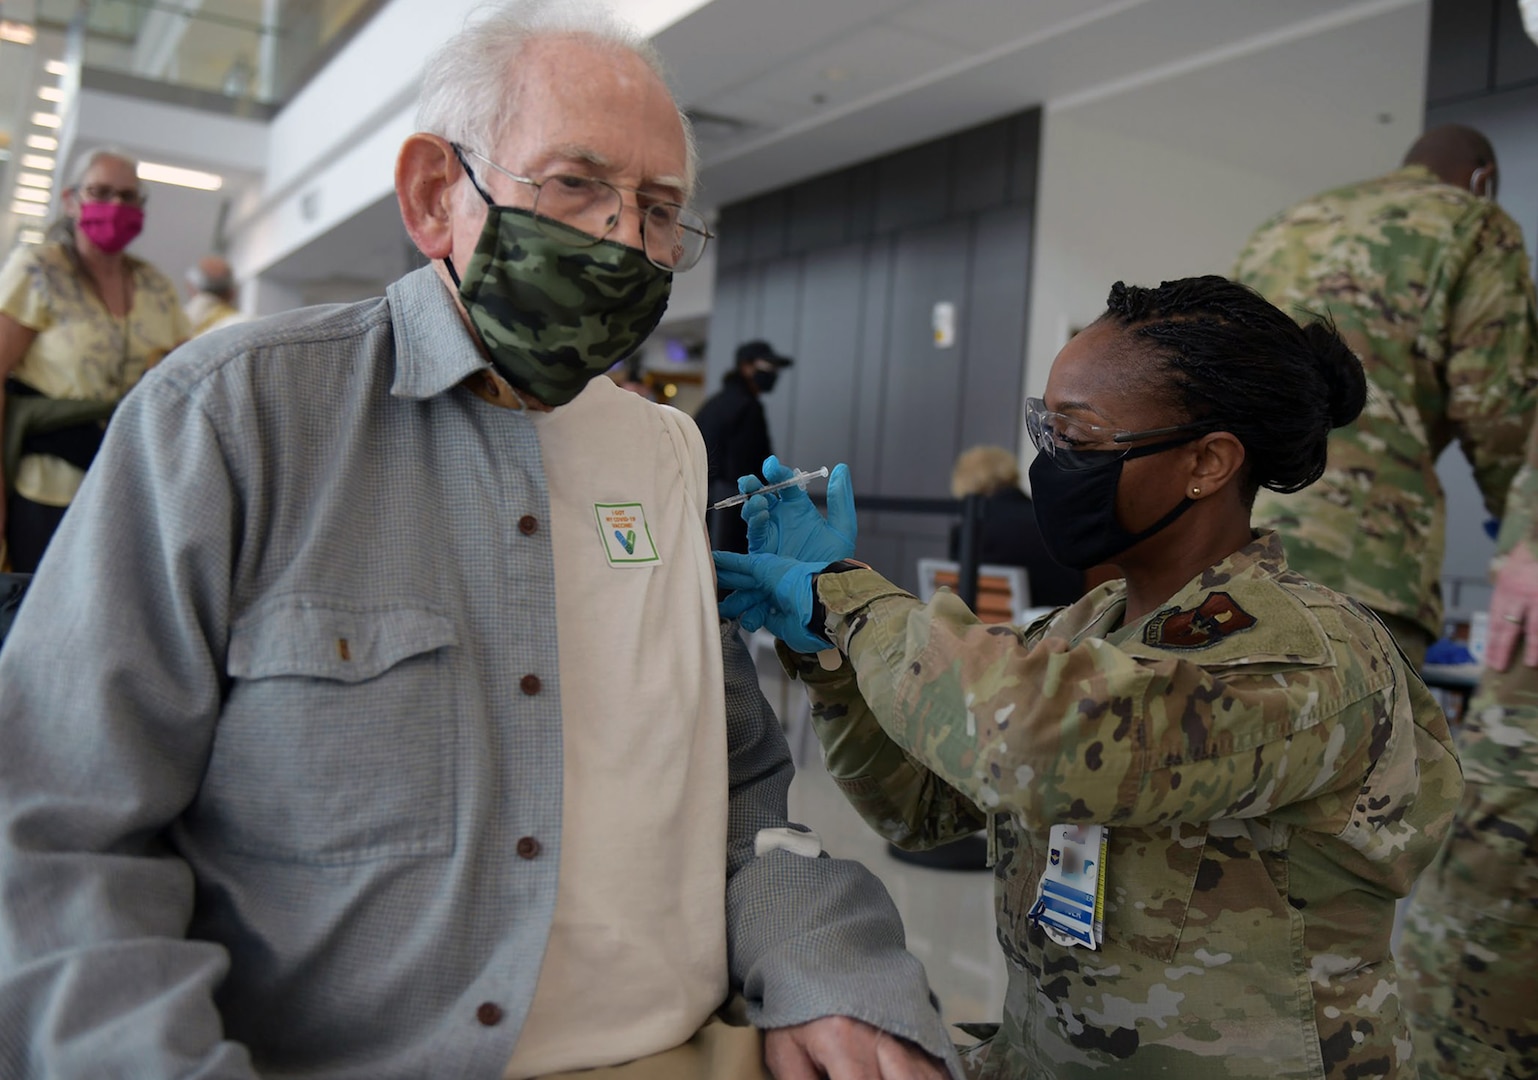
(42, 142)
(47, 119)
(170, 174)
(32, 179)
(30, 236)
(29, 209)
(50, 93)
(36, 161)
(56, 67)
(20, 33)
(31, 194)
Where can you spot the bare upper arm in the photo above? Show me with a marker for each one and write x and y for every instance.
(15, 340)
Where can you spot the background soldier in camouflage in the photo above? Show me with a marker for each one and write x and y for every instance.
(1272, 775)
(1428, 282)
(1470, 947)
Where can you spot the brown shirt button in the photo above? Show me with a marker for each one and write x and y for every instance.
(489, 1013)
(528, 847)
(528, 524)
(529, 684)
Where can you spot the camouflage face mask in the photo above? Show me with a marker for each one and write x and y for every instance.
(552, 314)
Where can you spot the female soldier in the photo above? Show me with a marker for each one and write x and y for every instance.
(1270, 775)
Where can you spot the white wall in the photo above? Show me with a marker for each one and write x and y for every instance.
(1111, 207)
(1168, 178)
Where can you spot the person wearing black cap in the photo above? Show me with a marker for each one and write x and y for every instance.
(737, 434)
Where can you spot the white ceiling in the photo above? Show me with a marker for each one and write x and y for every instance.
(814, 85)
(1265, 80)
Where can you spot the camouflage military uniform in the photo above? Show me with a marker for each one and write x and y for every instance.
(1430, 286)
(1271, 777)
(1470, 947)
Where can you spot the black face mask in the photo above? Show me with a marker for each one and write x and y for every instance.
(765, 380)
(1076, 508)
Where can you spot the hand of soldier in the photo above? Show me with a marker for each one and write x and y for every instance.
(1514, 611)
(840, 1048)
(787, 522)
(768, 590)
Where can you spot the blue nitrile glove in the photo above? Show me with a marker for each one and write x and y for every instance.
(772, 591)
(786, 522)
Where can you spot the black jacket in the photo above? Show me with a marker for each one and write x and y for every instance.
(736, 442)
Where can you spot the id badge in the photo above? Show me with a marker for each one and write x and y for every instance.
(1070, 898)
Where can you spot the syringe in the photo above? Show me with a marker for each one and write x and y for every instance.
(799, 480)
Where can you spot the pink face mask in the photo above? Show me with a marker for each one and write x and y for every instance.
(110, 226)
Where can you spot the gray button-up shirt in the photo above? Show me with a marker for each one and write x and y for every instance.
(268, 754)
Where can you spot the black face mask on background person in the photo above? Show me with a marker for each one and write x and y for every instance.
(765, 380)
(1076, 508)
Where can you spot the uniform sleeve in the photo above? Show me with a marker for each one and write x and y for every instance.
(896, 795)
(1492, 356)
(24, 292)
(807, 937)
(110, 688)
(1055, 733)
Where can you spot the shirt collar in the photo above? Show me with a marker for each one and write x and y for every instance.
(434, 351)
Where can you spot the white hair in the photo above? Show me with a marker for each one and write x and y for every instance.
(467, 95)
(84, 164)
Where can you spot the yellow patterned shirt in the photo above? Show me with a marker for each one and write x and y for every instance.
(82, 352)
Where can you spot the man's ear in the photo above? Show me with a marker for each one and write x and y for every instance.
(425, 174)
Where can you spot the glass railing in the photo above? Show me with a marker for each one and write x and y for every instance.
(254, 51)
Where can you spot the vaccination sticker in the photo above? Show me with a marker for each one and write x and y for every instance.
(626, 539)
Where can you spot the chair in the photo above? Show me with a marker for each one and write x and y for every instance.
(1003, 592)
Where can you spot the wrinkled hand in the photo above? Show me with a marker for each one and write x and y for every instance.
(772, 591)
(1514, 611)
(841, 1048)
(787, 522)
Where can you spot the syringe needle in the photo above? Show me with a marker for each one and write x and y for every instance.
(799, 480)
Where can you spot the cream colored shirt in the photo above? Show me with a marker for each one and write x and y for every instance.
(636, 960)
(81, 351)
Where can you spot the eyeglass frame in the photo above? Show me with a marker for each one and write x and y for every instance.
(461, 150)
(1036, 407)
(122, 196)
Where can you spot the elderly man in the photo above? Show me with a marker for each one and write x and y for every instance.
(211, 295)
(371, 717)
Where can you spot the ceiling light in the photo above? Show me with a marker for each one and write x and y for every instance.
(33, 179)
(170, 174)
(42, 142)
(29, 209)
(50, 93)
(56, 67)
(30, 236)
(36, 161)
(20, 33)
(46, 119)
(31, 194)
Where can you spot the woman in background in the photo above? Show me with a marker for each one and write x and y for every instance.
(80, 322)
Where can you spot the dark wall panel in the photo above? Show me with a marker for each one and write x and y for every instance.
(826, 390)
(843, 272)
(875, 302)
(1516, 54)
(780, 326)
(921, 390)
(980, 168)
(1459, 60)
(913, 186)
(993, 336)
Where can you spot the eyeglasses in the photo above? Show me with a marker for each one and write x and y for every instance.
(1076, 445)
(103, 193)
(672, 236)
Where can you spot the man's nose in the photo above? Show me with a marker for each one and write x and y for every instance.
(628, 229)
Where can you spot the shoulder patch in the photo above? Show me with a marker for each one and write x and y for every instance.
(1218, 617)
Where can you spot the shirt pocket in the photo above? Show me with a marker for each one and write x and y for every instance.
(336, 742)
(1150, 880)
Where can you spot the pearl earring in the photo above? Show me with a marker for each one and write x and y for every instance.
(1196, 492)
